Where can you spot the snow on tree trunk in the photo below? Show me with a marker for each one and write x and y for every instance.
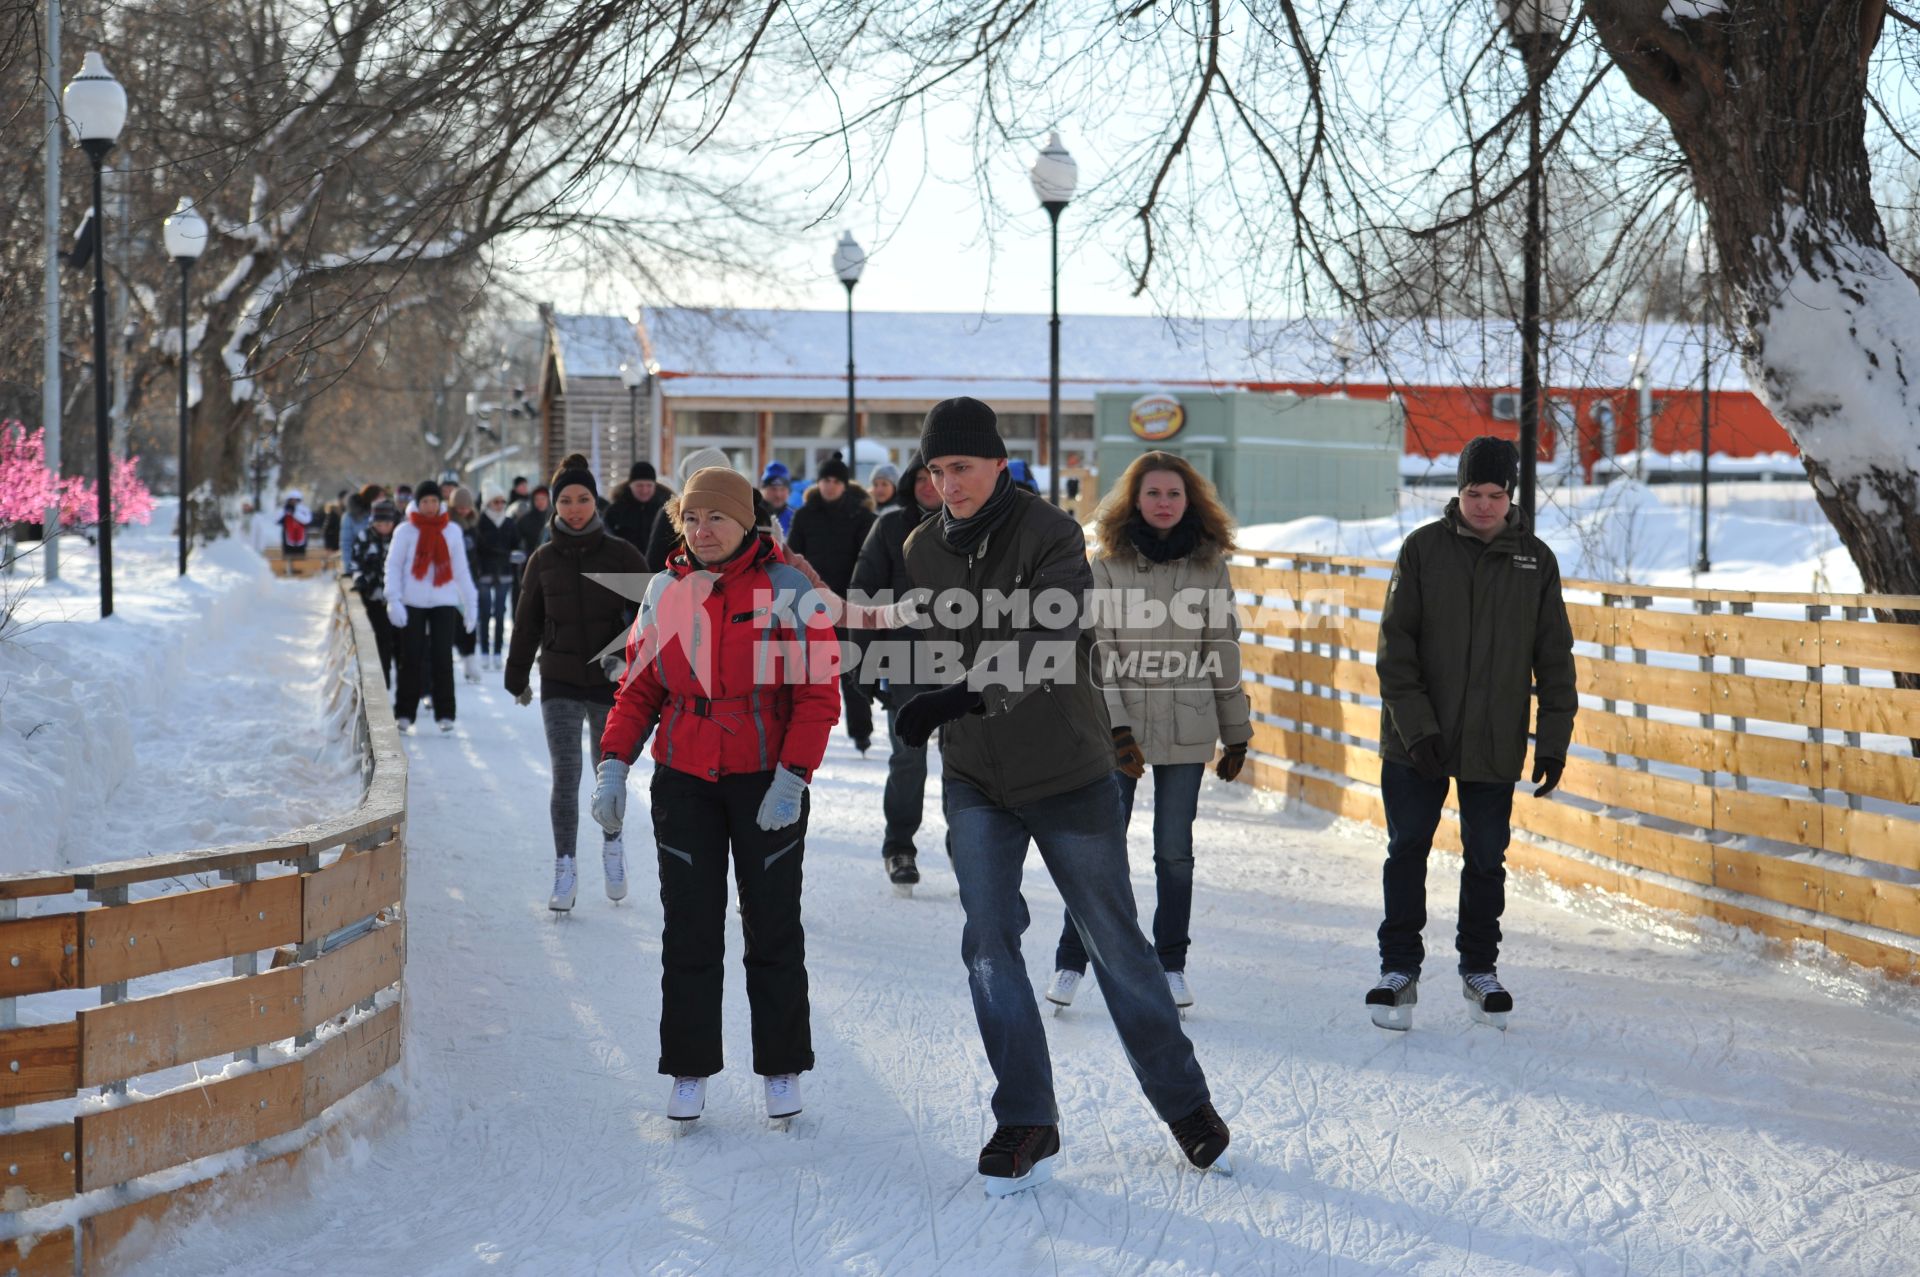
(1768, 101)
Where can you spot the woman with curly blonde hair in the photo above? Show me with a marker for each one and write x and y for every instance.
(1168, 663)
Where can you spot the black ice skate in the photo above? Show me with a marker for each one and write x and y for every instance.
(1018, 1158)
(1391, 1000)
(1491, 1001)
(1203, 1137)
(902, 872)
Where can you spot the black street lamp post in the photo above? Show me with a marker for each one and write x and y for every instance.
(1534, 26)
(1054, 176)
(631, 377)
(96, 107)
(186, 238)
(849, 259)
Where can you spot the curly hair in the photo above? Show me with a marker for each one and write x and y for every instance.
(1122, 504)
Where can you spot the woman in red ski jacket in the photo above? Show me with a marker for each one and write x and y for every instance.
(733, 659)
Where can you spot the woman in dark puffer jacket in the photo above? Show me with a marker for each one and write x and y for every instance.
(577, 625)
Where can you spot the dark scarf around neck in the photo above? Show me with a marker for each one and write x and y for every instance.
(1182, 539)
(964, 534)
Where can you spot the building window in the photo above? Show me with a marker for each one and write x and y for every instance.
(1019, 425)
(895, 425)
(810, 425)
(706, 421)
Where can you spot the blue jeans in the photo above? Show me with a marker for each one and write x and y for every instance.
(1413, 806)
(1176, 802)
(906, 791)
(1082, 839)
(494, 594)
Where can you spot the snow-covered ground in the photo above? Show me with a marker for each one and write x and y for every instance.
(1663, 1103)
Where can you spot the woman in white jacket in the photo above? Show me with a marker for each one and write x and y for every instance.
(430, 597)
(1168, 662)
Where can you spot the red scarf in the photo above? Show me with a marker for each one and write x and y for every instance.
(432, 548)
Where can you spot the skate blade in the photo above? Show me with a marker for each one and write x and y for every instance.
(675, 1117)
(784, 1122)
(1222, 1165)
(1494, 1019)
(903, 890)
(1399, 1019)
(1059, 1008)
(998, 1186)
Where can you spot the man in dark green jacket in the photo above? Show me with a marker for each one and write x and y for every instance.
(1027, 753)
(1474, 627)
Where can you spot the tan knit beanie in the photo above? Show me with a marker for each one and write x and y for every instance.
(722, 489)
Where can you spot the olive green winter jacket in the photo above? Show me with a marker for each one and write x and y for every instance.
(1042, 729)
(1469, 633)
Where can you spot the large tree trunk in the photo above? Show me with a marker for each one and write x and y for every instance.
(1768, 100)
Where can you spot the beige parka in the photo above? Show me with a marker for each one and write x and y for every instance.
(1167, 655)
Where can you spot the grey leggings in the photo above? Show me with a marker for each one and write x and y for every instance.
(563, 716)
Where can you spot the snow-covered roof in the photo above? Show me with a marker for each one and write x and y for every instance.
(799, 354)
(595, 345)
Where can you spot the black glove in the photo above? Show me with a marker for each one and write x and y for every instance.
(920, 716)
(1228, 768)
(1428, 758)
(1547, 769)
(1127, 754)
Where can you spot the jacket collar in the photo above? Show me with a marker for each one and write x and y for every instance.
(1509, 538)
(757, 549)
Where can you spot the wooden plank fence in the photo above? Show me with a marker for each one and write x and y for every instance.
(1741, 756)
(281, 1045)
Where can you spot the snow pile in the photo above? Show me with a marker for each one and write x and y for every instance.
(190, 718)
(1760, 536)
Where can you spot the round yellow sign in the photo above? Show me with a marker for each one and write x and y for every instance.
(1156, 417)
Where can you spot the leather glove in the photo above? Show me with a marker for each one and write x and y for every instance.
(609, 806)
(1228, 768)
(1127, 754)
(920, 716)
(781, 806)
(1547, 769)
(397, 615)
(1428, 758)
(523, 697)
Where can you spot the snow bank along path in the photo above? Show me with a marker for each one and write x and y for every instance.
(1663, 1103)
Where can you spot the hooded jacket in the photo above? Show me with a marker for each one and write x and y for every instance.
(632, 520)
(830, 533)
(737, 666)
(1470, 633)
(570, 618)
(1168, 653)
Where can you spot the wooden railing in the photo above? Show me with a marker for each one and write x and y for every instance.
(94, 1097)
(314, 562)
(1740, 756)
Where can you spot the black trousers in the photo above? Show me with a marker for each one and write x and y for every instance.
(383, 639)
(695, 824)
(428, 657)
(1413, 806)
